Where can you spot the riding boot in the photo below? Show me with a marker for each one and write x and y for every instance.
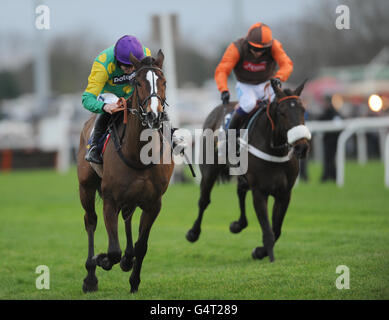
(99, 129)
(236, 122)
(238, 119)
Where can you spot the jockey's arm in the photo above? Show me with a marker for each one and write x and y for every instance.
(284, 62)
(96, 81)
(230, 59)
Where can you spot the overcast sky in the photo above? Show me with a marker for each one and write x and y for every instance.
(204, 23)
(200, 19)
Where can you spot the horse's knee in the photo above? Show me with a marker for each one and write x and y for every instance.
(204, 202)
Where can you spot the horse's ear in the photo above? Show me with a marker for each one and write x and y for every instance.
(276, 89)
(160, 58)
(134, 61)
(300, 88)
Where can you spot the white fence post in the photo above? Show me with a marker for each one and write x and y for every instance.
(348, 128)
(387, 161)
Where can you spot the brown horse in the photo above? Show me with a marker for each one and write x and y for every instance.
(126, 182)
(273, 132)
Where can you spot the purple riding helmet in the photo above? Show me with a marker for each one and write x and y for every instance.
(124, 46)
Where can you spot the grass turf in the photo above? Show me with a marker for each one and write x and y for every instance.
(41, 223)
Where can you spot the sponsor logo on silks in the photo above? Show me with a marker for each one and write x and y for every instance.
(125, 78)
(254, 67)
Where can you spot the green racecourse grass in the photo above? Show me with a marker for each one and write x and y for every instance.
(41, 223)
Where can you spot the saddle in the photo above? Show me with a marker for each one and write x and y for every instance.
(258, 109)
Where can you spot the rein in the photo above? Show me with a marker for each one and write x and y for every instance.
(273, 127)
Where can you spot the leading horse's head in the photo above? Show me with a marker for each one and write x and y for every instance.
(150, 89)
(289, 119)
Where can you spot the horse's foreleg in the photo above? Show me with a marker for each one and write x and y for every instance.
(281, 204)
(146, 221)
(128, 258)
(87, 197)
(260, 205)
(238, 226)
(207, 182)
(113, 256)
(280, 207)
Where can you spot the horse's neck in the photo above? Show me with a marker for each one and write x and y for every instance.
(262, 135)
(132, 144)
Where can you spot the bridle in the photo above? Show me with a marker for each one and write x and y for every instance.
(140, 111)
(273, 127)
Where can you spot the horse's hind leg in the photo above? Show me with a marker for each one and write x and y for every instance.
(127, 260)
(87, 196)
(238, 226)
(209, 176)
(113, 256)
(260, 205)
(280, 207)
(146, 221)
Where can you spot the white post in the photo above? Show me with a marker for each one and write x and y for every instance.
(341, 156)
(169, 66)
(382, 136)
(361, 147)
(41, 63)
(64, 146)
(387, 161)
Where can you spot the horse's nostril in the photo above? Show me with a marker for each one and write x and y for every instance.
(301, 150)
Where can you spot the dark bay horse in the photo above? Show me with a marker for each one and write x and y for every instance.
(126, 183)
(273, 132)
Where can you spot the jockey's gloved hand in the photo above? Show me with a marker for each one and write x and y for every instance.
(225, 97)
(277, 82)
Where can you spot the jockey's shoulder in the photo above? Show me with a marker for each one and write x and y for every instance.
(106, 56)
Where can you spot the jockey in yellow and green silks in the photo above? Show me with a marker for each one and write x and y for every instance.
(108, 81)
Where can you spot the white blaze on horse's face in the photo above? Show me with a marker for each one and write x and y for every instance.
(152, 78)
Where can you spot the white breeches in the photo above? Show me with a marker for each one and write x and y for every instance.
(248, 94)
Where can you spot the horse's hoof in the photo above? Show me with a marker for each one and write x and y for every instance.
(126, 263)
(134, 290)
(259, 253)
(90, 285)
(192, 236)
(236, 227)
(102, 261)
